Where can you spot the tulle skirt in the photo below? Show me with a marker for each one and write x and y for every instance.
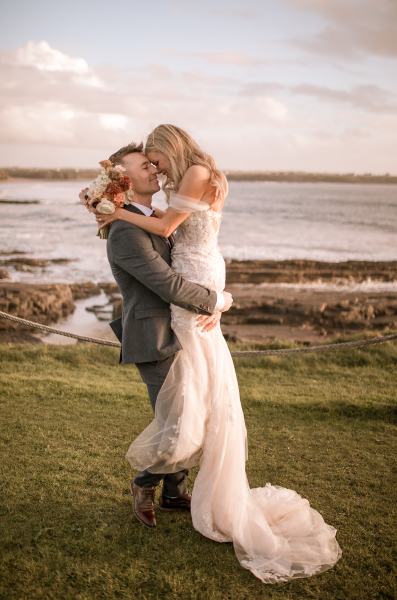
(199, 420)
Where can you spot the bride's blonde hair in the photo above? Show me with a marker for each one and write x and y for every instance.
(183, 152)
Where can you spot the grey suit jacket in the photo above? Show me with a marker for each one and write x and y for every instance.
(140, 263)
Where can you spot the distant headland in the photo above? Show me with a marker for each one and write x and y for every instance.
(70, 174)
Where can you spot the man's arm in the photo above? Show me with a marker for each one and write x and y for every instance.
(133, 251)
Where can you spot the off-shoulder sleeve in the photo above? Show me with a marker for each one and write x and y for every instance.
(182, 203)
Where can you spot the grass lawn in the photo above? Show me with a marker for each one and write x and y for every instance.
(321, 424)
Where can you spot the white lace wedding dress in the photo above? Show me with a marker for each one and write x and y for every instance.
(199, 420)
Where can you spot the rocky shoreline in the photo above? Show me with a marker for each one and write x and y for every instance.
(305, 271)
(44, 303)
(305, 314)
(299, 300)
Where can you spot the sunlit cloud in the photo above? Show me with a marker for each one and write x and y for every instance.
(36, 72)
(40, 56)
(113, 121)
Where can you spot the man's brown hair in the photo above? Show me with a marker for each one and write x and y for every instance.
(117, 156)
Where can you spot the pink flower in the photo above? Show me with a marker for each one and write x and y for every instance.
(119, 199)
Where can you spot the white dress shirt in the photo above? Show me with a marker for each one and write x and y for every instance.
(148, 210)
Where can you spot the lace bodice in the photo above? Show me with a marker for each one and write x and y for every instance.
(196, 253)
(201, 227)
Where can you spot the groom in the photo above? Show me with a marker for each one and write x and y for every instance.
(140, 263)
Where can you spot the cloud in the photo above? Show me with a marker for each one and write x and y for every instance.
(49, 97)
(368, 97)
(40, 56)
(114, 122)
(239, 59)
(352, 29)
(57, 110)
(47, 122)
(261, 109)
(371, 98)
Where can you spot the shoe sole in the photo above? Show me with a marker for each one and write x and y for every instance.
(136, 515)
(173, 509)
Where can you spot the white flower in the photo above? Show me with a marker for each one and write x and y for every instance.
(98, 186)
(105, 207)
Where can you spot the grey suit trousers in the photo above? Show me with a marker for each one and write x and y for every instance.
(153, 375)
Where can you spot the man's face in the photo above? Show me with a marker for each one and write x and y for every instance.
(142, 173)
(160, 160)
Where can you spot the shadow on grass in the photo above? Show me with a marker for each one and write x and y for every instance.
(338, 409)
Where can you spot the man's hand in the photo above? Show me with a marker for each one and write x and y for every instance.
(208, 322)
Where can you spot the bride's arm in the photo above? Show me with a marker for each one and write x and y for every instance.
(163, 226)
(193, 186)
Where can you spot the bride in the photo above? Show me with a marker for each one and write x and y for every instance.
(198, 417)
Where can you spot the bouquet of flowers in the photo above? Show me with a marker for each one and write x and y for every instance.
(107, 192)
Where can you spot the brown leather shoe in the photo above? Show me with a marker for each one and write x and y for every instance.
(179, 503)
(144, 504)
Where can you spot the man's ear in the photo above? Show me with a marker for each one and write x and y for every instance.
(130, 194)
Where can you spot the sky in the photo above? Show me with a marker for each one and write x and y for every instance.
(287, 85)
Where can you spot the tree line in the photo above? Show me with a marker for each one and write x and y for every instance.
(70, 174)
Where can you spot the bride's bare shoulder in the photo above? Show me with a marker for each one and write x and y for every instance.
(198, 172)
(195, 181)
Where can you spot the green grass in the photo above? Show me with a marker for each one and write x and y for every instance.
(321, 424)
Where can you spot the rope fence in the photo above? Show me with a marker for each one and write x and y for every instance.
(381, 339)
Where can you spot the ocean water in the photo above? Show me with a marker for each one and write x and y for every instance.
(261, 220)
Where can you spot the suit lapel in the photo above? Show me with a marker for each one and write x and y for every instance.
(155, 238)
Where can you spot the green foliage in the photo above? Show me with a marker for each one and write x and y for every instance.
(322, 424)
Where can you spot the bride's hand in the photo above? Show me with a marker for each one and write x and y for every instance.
(228, 301)
(103, 220)
(208, 322)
